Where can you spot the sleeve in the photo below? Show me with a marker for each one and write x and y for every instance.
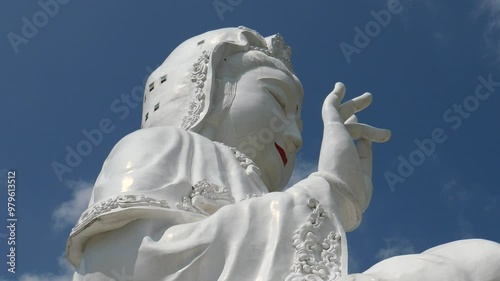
(341, 197)
(280, 236)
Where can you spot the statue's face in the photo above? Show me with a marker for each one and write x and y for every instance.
(264, 122)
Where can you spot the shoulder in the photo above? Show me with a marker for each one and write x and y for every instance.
(148, 145)
(151, 135)
(154, 138)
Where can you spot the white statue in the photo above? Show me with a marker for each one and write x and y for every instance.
(187, 196)
(463, 260)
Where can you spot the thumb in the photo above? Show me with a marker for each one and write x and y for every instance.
(332, 103)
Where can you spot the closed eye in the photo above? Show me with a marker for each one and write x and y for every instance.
(280, 100)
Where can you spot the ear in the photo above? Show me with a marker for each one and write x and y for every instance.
(228, 92)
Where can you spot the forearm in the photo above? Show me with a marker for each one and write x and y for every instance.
(336, 156)
(334, 195)
(339, 160)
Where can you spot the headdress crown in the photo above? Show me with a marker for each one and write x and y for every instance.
(276, 47)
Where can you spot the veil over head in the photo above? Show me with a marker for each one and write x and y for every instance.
(179, 92)
(155, 173)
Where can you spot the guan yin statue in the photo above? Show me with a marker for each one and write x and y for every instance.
(197, 193)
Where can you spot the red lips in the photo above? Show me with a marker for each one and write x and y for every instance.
(282, 153)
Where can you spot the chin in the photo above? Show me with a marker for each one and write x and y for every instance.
(270, 174)
(286, 175)
(275, 182)
(278, 183)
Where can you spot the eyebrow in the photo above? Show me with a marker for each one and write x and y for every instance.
(286, 86)
(280, 83)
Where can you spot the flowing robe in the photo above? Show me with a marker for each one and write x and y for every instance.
(173, 205)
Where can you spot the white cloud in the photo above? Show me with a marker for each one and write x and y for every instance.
(465, 228)
(353, 263)
(490, 6)
(490, 9)
(67, 214)
(455, 193)
(65, 274)
(464, 200)
(302, 170)
(395, 247)
(470, 196)
(458, 195)
(491, 204)
(410, 8)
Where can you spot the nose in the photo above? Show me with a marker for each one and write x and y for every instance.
(293, 138)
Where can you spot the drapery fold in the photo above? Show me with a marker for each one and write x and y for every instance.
(192, 209)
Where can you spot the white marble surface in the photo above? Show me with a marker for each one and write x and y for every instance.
(463, 260)
(187, 197)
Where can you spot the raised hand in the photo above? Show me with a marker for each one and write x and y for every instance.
(339, 156)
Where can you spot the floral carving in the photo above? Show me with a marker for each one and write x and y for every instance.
(250, 196)
(211, 191)
(198, 77)
(245, 162)
(280, 50)
(122, 201)
(214, 197)
(277, 47)
(315, 259)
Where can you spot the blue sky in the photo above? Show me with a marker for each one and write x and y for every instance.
(427, 68)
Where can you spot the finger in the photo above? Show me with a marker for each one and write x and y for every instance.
(352, 119)
(348, 108)
(368, 191)
(339, 90)
(336, 96)
(359, 130)
(364, 148)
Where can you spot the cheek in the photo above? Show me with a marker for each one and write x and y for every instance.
(249, 122)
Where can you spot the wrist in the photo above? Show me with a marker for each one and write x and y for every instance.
(348, 205)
